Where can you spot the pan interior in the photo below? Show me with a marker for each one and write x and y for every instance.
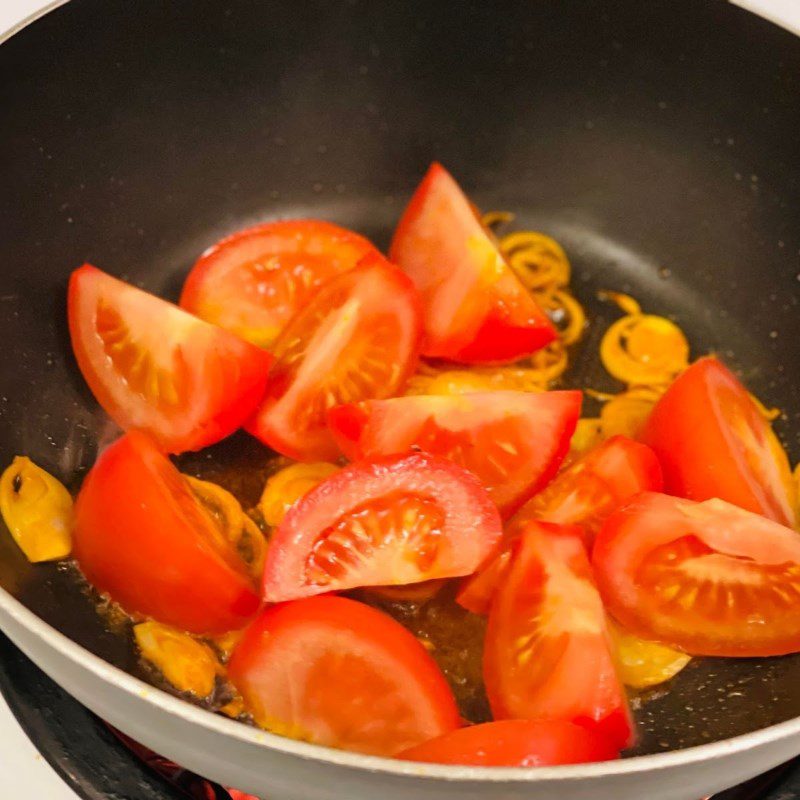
(659, 148)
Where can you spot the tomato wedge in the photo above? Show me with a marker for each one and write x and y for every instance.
(515, 743)
(584, 494)
(548, 653)
(476, 310)
(513, 441)
(142, 537)
(154, 367)
(252, 282)
(708, 578)
(713, 441)
(385, 522)
(595, 485)
(357, 339)
(336, 672)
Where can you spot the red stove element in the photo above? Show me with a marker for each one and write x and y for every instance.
(193, 786)
(197, 788)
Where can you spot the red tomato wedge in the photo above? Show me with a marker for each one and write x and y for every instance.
(584, 494)
(141, 537)
(515, 743)
(254, 281)
(708, 578)
(476, 310)
(595, 485)
(154, 367)
(712, 441)
(336, 672)
(385, 522)
(548, 653)
(513, 441)
(357, 339)
(476, 592)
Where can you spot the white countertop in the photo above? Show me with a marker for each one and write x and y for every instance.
(23, 772)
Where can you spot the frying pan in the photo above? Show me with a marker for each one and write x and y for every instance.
(659, 142)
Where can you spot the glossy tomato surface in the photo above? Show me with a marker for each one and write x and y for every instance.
(357, 339)
(713, 441)
(548, 653)
(142, 537)
(709, 578)
(383, 522)
(515, 743)
(590, 489)
(154, 367)
(336, 672)
(583, 494)
(253, 281)
(513, 441)
(476, 310)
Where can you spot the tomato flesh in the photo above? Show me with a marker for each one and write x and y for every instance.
(357, 339)
(513, 441)
(713, 441)
(253, 281)
(476, 310)
(583, 494)
(709, 578)
(595, 485)
(142, 537)
(548, 653)
(156, 368)
(336, 672)
(383, 522)
(515, 743)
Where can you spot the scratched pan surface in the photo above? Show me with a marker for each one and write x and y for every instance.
(658, 142)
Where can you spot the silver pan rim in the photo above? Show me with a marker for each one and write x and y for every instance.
(214, 723)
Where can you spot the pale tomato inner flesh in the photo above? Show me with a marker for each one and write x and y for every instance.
(577, 496)
(164, 385)
(538, 646)
(266, 291)
(686, 578)
(335, 361)
(398, 534)
(491, 452)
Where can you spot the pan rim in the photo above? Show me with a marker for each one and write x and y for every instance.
(162, 701)
(213, 723)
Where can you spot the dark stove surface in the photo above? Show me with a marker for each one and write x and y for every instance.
(98, 763)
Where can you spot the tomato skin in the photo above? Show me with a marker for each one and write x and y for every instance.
(515, 743)
(513, 441)
(217, 379)
(357, 339)
(141, 537)
(351, 530)
(548, 653)
(708, 578)
(476, 310)
(712, 441)
(339, 673)
(253, 281)
(583, 494)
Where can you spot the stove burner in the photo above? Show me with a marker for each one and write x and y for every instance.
(188, 783)
(96, 761)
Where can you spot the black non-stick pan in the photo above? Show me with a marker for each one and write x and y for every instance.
(658, 141)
